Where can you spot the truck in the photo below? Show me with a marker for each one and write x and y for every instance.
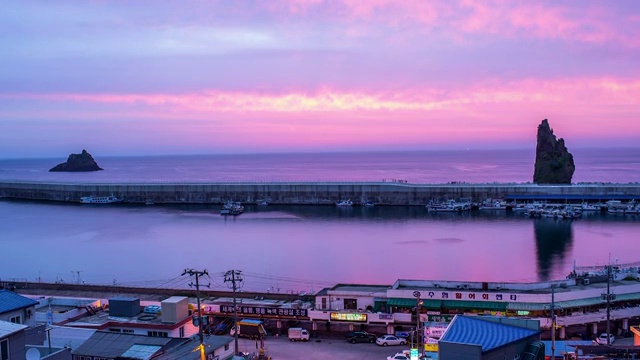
(298, 334)
(249, 328)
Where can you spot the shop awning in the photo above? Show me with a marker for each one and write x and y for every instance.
(479, 305)
(578, 303)
(625, 297)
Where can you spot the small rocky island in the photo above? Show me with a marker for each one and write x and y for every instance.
(554, 163)
(78, 162)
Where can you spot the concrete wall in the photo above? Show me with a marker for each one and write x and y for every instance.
(317, 193)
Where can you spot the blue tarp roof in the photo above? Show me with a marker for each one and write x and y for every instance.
(10, 301)
(487, 334)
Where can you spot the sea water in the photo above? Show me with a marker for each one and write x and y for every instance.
(306, 248)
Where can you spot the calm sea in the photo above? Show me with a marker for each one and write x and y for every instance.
(306, 248)
(475, 166)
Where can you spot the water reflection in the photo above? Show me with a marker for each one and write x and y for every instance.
(554, 240)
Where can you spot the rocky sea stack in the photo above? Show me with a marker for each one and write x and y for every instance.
(78, 162)
(554, 163)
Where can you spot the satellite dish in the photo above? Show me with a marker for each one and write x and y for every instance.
(33, 354)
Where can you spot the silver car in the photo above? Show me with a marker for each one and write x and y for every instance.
(385, 340)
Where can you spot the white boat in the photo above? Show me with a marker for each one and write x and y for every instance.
(493, 204)
(226, 208)
(585, 206)
(100, 199)
(347, 202)
(449, 206)
(262, 203)
(619, 272)
(369, 203)
(231, 208)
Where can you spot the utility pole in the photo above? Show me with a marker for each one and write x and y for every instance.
(234, 276)
(609, 298)
(417, 294)
(553, 321)
(197, 274)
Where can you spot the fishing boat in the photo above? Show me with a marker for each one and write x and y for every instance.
(618, 271)
(231, 208)
(100, 199)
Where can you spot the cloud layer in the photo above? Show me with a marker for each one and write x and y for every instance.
(310, 75)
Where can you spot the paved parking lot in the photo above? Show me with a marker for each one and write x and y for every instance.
(280, 348)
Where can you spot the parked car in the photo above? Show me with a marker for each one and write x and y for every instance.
(602, 339)
(360, 337)
(385, 340)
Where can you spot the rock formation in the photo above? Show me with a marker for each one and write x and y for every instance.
(554, 163)
(78, 162)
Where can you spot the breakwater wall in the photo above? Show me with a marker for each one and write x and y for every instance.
(313, 193)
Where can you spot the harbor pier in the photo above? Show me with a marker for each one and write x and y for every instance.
(314, 193)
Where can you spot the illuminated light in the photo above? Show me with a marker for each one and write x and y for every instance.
(348, 317)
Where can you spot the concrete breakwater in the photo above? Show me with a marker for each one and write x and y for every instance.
(314, 193)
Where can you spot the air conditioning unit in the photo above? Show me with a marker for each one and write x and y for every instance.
(498, 288)
(458, 287)
(436, 286)
(465, 286)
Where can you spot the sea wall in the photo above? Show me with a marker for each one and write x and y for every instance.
(316, 193)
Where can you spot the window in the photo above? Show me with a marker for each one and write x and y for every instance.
(181, 331)
(114, 330)
(127, 331)
(157, 334)
(226, 347)
(4, 349)
(324, 303)
(16, 320)
(350, 304)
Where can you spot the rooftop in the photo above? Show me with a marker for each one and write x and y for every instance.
(10, 301)
(102, 319)
(8, 328)
(111, 345)
(482, 332)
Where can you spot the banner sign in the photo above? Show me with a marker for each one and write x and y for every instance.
(258, 310)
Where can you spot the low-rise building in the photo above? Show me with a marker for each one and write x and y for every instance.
(106, 345)
(171, 319)
(17, 309)
(12, 340)
(489, 338)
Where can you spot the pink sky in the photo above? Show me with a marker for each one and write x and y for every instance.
(180, 77)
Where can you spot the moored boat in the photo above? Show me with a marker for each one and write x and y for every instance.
(449, 206)
(347, 202)
(100, 199)
(232, 208)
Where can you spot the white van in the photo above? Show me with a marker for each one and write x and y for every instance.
(298, 334)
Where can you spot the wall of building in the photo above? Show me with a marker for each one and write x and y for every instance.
(459, 351)
(387, 193)
(506, 352)
(27, 316)
(16, 343)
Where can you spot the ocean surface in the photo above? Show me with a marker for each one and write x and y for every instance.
(473, 166)
(307, 248)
